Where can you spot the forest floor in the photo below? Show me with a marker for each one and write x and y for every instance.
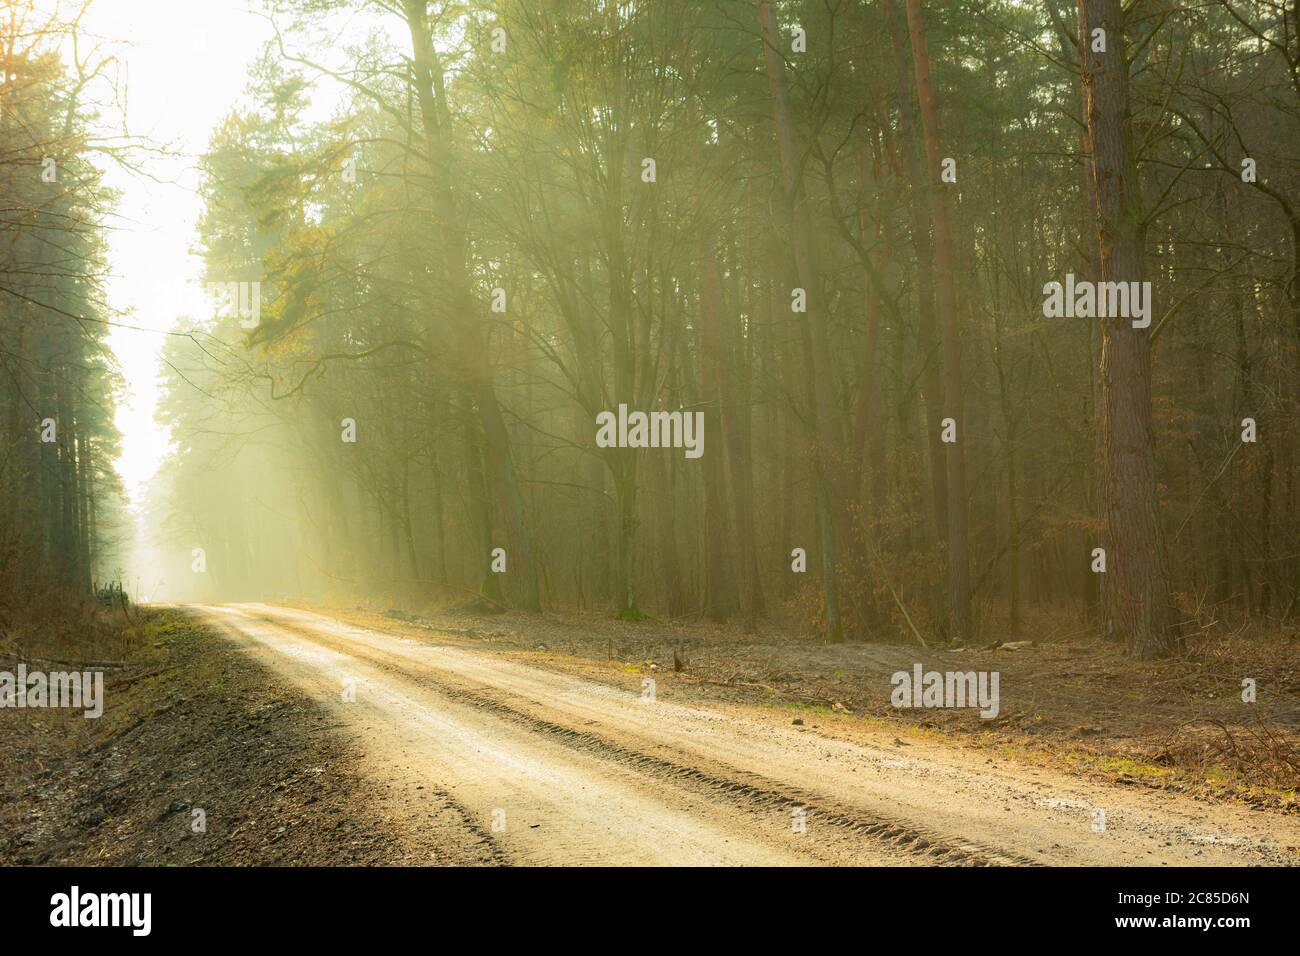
(236, 711)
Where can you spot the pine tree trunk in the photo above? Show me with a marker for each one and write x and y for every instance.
(958, 556)
(918, 208)
(828, 434)
(1141, 599)
(475, 367)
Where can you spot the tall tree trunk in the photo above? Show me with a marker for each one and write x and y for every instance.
(480, 522)
(84, 491)
(1098, 593)
(718, 592)
(733, 396)
(958, 557)
(827, 432)
(476, 369)
(1141, 602)
(918, 209)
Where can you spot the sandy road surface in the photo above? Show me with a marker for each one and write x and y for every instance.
(558, 769)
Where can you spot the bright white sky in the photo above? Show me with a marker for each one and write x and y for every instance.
(185, 63)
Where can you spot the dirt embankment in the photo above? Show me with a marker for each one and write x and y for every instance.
(191, 725)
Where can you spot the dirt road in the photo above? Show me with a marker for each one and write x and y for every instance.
(557, 769)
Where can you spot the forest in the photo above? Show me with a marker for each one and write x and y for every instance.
(63, 524)
(852, 245)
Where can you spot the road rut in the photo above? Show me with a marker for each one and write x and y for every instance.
(559, 769)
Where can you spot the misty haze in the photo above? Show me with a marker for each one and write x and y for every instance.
(663, 432)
